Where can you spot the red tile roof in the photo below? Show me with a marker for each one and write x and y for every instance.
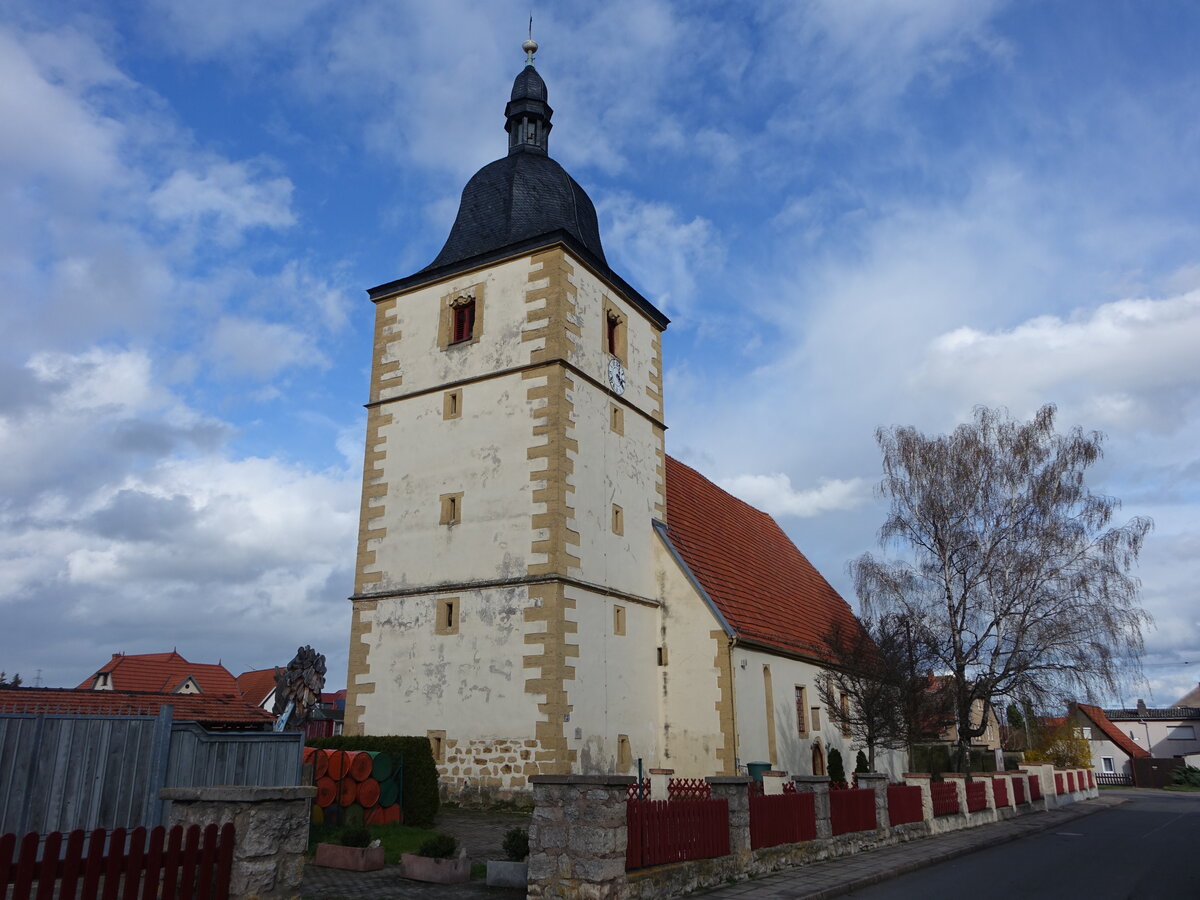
(1112, 732)
(766, 589)
(163, 672)
(203, 708)
(256, 684)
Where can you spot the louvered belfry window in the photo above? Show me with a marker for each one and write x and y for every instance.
(464, 322)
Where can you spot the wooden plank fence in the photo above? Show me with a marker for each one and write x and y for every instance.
(851, 809)
(945, 798)
(667, 831)
(782, 819)
(177, 865)
(66, 772)
(904, 804)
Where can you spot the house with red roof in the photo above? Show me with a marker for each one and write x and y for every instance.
(212, 711)
(1119, 736)
(164, 673)
(1113, 747)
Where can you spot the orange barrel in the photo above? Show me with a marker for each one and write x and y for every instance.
(347, 791)
(381, 765)
(353, 815)
(392, 815)
(358, 765)
(327, 791)
(321, 764)
(374, 816)
(368, 792)
(389, 792)
(307, 756)
(337, 764)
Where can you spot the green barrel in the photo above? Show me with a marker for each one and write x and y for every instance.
(382, 765)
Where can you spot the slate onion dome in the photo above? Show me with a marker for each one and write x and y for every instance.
(525, 194)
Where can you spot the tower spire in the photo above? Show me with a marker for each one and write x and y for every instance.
(528, 113)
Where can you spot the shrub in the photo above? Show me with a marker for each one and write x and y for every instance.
(516, 844)
(860, 763)
(1188, 775)
(837, 771)
(419, 799)
(440, 846)
(354, 836)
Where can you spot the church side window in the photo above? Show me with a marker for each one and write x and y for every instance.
(615, 338)
(464, 322)
(801, 710)
(461, 319)
(448, 615)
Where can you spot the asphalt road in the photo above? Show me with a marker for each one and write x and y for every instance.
(1145, 849)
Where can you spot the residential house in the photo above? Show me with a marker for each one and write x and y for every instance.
(1113, 749)
(1165, 733)
(217, 712)
(165, 673)
(538, 586)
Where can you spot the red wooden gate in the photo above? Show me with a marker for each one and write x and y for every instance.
(782, 819)
(852, 809)
(666, 831)
(176, 865)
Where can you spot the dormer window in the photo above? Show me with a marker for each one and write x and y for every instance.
(464, 321)
(102, 683)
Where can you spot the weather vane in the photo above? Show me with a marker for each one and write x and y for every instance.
(530, 46)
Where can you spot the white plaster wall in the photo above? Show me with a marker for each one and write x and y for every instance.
(424, 365)
(471, 684)
(1104, 747)
(614, 691)
(794, 752)
(691, 725)
(612, 468)
(591, 356)
(483, 454)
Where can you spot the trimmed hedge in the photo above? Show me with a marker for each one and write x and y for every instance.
(420, 798)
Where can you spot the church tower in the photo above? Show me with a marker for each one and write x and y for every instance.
(504, 598)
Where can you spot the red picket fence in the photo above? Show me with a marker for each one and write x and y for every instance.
(174, 865)
(1091, 779)
(852, 809)
(904, 804)
(1070, 782)
(945, 798)
(1000, 791)
(1018, 786)
(667, 831)
(976, 796)
(1058, 783)
(1035, 788)
(679, 789)
(787, 818)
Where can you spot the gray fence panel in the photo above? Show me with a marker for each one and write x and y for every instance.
(62, 772)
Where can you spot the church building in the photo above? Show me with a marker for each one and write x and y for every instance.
(539, 588)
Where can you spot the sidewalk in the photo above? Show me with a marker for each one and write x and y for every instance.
(836, 877)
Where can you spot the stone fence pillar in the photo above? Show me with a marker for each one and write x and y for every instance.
(660, 783)
(735, 790)
(989, 792)
(578, 836)
(272, 832)
(818, 786)
(922, 780)
(877, 782)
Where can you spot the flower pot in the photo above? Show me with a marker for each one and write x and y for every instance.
(504, 873)
(356, 859)
(437, 871)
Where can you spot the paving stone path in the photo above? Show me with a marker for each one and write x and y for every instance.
(481, 832)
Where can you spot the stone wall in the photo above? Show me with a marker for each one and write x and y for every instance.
(271, 826)
(484, 772)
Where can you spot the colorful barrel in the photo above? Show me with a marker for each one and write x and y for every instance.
(347, 791)
(333, 815)
(393, 815)
(321, 764)
(368, 793)
(338, 762)
(327, 791)
(389, 792)
(353, 815)
(358, 765)
(374, 816)
(318, 815)
(381, 765)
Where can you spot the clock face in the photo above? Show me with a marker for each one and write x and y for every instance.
(616, 375)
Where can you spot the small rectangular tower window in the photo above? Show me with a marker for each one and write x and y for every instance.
(437, 744)
(618, 620)
(616, 338)
(662, 656)
(451, 513)
(816, 718)
(452, 404)
(461, 317)
(618, 520)
(801, 710)
(447, 616)
(616, 420)
(464, 322)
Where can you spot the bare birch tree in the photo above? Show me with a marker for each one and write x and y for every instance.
(1014, 566)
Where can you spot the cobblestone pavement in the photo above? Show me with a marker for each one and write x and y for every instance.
(480, 832)
(836, 877)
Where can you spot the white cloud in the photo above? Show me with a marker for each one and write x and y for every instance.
(774, 494)
(230, 195)
(1129, 363)
(261, 349)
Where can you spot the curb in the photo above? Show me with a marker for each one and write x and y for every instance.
(1076, 811)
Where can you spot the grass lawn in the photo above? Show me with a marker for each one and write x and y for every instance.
(396, 839)
(1182, 787)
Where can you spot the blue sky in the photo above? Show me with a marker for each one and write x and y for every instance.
(856, 214)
